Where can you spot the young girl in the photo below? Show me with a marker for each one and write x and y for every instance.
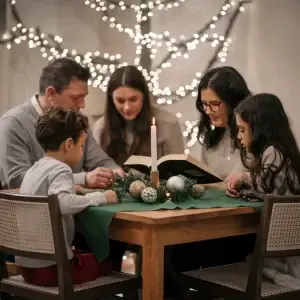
(270, 153)
(269, 149)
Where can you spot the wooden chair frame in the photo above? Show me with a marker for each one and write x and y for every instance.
(254, 284)
(66, 290)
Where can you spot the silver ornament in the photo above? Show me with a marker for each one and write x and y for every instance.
(136, 188)
(183, 177)
(175, 183)
(149, 195)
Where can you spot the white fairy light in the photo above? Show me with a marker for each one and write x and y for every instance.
(106, 5)
(153, 41)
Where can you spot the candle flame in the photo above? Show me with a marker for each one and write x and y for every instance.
(153, 121)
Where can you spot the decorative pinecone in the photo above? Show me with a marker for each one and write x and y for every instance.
(198, 191)
(161, 192)
(149, 195)
(136, 188)
(175, 183)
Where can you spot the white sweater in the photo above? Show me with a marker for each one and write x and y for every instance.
(223, 158)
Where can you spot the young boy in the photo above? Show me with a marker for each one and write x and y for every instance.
(62, 135)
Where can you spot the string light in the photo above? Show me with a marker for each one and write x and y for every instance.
(175, 48)
(157, 40)
(103, 65)
(106, 5)
(191, 127)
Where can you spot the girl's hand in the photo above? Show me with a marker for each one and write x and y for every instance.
(111, 197)
(234, 183)
(233, 193)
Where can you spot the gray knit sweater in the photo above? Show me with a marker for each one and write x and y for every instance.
(20, 150)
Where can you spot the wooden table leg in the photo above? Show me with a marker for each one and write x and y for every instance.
(153, 266)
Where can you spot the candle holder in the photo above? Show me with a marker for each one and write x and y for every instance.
(154, 179)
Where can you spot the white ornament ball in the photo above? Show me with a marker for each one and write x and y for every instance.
(175, 183)
(182, 176)
(136, 188)
(149, 195)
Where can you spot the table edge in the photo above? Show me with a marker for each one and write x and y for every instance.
(147, 218)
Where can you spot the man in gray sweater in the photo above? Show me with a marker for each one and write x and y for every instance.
(63, 83)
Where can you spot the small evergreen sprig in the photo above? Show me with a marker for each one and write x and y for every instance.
(122, 184)
(179, 196)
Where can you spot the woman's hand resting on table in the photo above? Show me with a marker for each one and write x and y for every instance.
(234, 183)
(111, 197)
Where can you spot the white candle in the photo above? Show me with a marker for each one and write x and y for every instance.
(153, 146)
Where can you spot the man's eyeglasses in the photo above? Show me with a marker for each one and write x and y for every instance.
(213, 105)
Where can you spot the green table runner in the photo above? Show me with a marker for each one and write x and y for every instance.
(95, 221)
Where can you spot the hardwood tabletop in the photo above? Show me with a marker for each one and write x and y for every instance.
(182, 215)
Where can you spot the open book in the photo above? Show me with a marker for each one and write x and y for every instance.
(175, 164)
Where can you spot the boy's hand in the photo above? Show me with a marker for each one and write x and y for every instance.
(111, 197)
(79, 190)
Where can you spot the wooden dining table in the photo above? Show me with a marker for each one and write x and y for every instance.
(153, 230)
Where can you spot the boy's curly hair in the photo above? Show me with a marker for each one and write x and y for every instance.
(58, 124)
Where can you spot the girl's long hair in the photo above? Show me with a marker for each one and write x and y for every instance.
(113, 135)
(269, 126)
(230, 86)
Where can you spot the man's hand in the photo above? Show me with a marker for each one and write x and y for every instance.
(100, 178)
(120, 172)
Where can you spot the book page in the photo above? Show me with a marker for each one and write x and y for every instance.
(138, 160)
(190, 159)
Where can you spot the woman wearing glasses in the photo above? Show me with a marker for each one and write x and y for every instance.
(219, 92)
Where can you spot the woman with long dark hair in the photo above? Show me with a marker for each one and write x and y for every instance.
(219, 92)
(125, 128)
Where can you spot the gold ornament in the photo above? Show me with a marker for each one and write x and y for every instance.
(136, 188)
(198, 191)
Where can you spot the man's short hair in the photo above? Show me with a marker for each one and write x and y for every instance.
(60, 72)
(57, 125)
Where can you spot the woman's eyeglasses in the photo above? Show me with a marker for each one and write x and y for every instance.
(213, 105)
